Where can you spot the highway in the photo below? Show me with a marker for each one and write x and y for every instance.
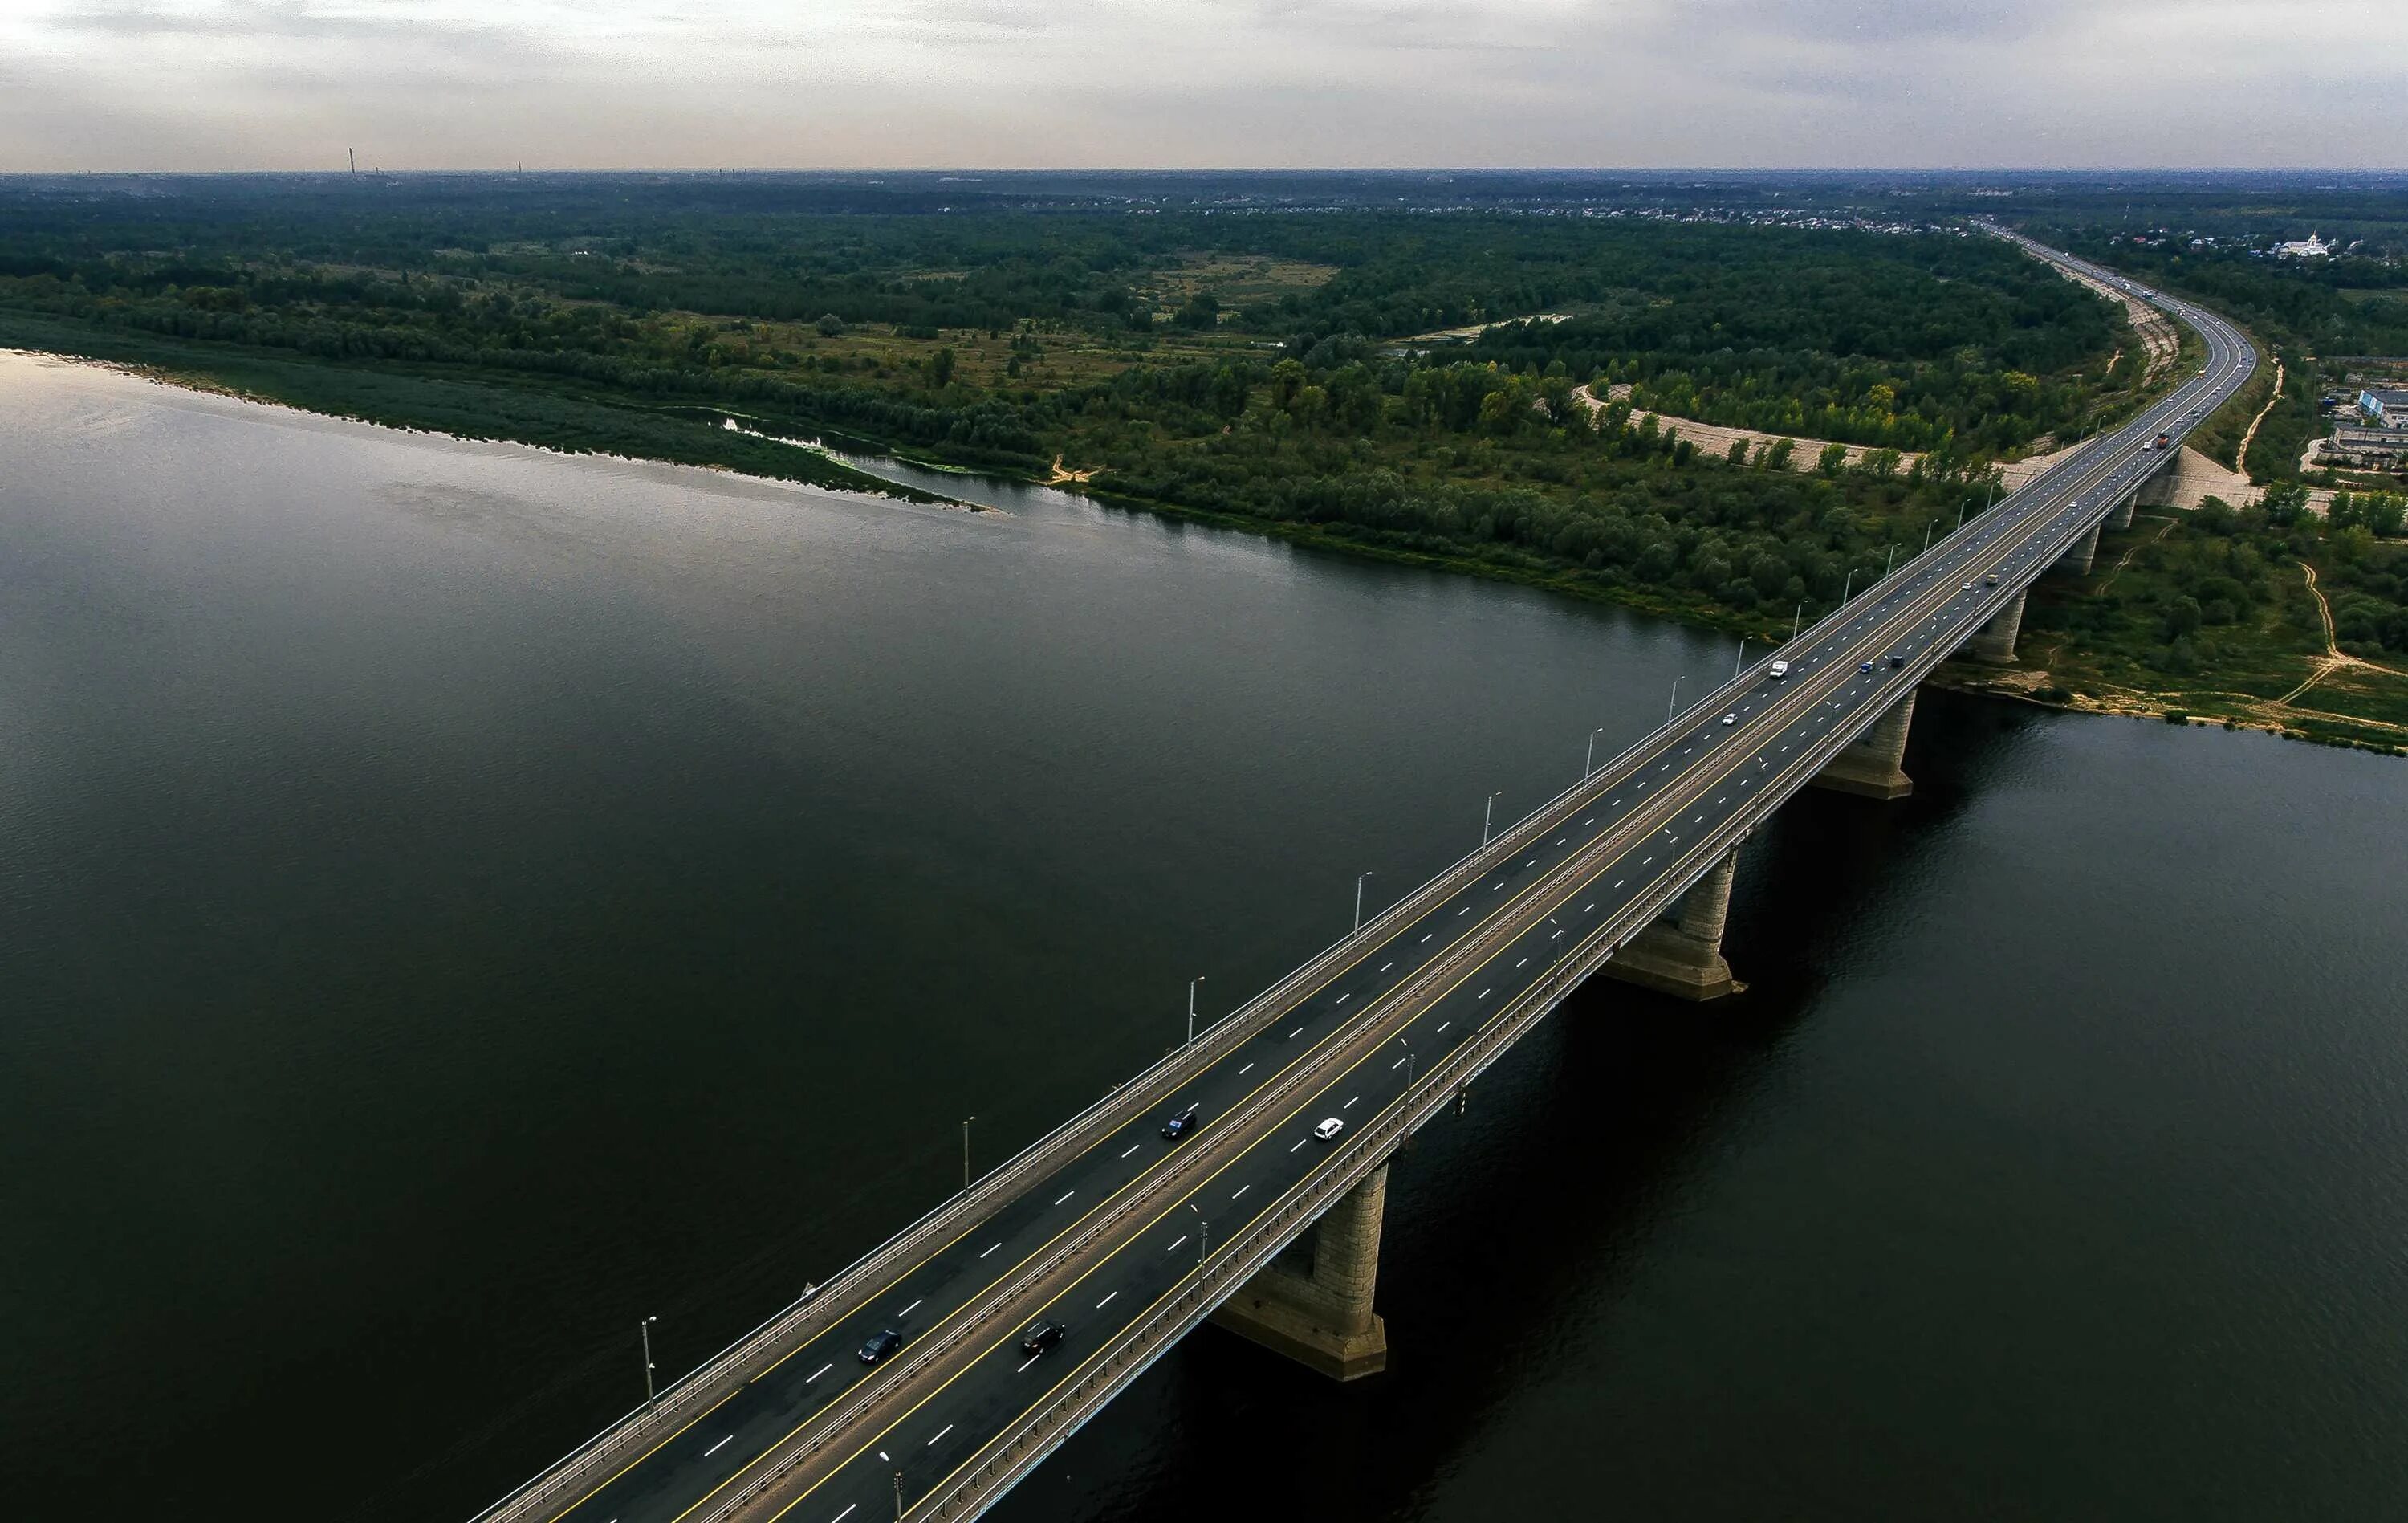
(1127, 1238)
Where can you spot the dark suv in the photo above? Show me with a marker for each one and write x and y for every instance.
(1042, 1337)
(885, 1342)
(1183, 1123)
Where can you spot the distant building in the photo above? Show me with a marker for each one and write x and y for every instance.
(2369, 448)
(2385, 408)
(2311, 247)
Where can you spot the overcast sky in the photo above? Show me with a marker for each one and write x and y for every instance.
(289, 84)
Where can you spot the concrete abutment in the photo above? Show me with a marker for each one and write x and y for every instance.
(1313, 1302)
(1996, 639)
(1872, 766)
(2078, 555)
(1681, 953)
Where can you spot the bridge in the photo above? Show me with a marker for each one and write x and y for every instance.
(1265, 1218)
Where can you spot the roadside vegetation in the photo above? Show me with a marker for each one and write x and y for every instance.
(2222, 613)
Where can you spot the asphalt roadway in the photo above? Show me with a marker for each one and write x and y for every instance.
(1350, 1045)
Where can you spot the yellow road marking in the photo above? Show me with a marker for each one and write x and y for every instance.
(645, 1455)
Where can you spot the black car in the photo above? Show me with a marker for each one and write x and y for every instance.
(886, 1341)
(1896, 661)
(1042, 1337)
(1183, 1123)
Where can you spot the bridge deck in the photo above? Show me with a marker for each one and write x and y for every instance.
(1129, 1239)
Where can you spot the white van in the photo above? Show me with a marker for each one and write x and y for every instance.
(1780, 670)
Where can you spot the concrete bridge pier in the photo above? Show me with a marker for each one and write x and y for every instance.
(1313, 1302)
(2076, 560)
(1870, 766)
(1996, 639)
(2121, 518)
(1681, 953)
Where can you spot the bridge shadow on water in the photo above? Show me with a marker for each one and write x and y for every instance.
(1516, 1230)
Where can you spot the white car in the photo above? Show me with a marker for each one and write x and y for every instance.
(1329, 1128)
(1964, 586)
(1731, 719)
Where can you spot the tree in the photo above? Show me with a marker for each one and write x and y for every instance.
(1777, 457)
(1834, 456)
(2284, 502)
(830, 325)
(1737, 454)
(940, 369)
(1201, 311)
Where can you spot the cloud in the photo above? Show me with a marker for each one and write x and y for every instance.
(988, 83)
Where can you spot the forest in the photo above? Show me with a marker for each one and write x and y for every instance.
(1288, 368)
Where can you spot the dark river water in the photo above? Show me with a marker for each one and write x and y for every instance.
(458, 901)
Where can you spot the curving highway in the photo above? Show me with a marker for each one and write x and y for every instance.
(1128, 1239)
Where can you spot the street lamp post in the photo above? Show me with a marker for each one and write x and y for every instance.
(1926, 533)
(1797, 618)
(1674, 701)
(1742, 660)
(1892, 564)
(1588, 763)
(1845, 585)
(1358, 897)
(966, 1152)
(1487, 814)
(645, 1328)
(1411, 1067)
(1191, 1005)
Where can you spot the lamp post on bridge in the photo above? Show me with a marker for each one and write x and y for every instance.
(966, 1149)
(1358, 897)
(1675, 701)
(645, 1329)
(1588, 764)
(1892, 564)
(1927, 534)
(1488, 813)
(1191, 1005)
(1742, 660)
(1797, 618)
(1411, 1067)
(1845, 585)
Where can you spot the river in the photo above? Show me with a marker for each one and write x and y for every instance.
(460, 901)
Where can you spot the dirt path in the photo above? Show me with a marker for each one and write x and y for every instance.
(1061, 477)
(2241, 456)
(2126, 559)
(1805, 454)
(2333, 659)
